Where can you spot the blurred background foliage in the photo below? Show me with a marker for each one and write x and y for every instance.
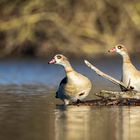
(76, 27)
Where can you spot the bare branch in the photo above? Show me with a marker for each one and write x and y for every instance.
(100, 73)
(118, 95)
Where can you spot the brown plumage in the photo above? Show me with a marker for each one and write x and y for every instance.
(130, 75)
(74, 86)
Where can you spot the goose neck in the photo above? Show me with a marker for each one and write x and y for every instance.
(126, 58)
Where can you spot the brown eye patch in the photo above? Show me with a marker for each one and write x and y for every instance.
(59, 57)
(119, 47)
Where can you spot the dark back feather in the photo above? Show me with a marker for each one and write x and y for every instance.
(64, 81)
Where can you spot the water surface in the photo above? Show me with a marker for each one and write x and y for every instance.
(29, 110)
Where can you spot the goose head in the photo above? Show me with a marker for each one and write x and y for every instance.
(120, 49)
(59, 59)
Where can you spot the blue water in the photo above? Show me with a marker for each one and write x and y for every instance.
(27, 71)
(38, 71)
(24, 71)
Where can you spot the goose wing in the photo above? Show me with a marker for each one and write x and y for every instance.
(61, 87)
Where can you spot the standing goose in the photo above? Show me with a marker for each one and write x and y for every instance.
(75, 86)
(130, 75)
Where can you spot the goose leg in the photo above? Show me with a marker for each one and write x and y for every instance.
(66, 102)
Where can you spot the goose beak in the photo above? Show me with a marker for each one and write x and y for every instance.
(112, 50)
(53, 61)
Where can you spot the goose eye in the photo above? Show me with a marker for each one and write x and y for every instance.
(119, 47)
(59, 57)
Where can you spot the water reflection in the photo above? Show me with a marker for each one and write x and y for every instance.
(72, 123)
(131, 123)
(99, 123)
(27, 116)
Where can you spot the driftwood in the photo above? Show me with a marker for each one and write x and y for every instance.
(113, 98)
(107, 98)
(118, 95)
(109, 102)
(113, 80)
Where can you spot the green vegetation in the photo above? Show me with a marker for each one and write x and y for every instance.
(43, 27)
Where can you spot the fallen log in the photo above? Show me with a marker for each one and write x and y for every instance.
(113, 98)
(118, 94)
(109, 102)
(107, 98)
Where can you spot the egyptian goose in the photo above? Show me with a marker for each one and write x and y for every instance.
(75, 86)
(130, 75)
